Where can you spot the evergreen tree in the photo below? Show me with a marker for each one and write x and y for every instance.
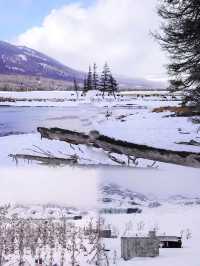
(107, 83)
(89, 80)
(180, 37)
(105, 79)
(85, 87)
(95, 78)
(113, 86)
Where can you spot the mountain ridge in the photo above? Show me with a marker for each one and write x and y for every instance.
(26, 61)
(16, 61)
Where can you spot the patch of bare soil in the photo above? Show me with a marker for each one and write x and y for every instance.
(178, 110)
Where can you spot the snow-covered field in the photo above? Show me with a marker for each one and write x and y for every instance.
(69, 94)
(71, 98)
(168, 219)
(169, 215)
(41, 191)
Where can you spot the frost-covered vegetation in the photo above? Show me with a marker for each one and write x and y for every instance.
(50, 242)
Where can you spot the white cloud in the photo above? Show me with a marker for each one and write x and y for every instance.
(116, 31)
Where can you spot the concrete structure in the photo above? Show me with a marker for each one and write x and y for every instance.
(140, 246)
(119, 210)
(106, 233)
(103, 233)
(170, 241)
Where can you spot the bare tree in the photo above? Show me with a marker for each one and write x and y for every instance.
(76, 88)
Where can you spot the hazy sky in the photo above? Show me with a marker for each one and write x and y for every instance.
(78, 33)
(16, 16)
(42, 185)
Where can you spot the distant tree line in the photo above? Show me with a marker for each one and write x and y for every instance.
(105, 82)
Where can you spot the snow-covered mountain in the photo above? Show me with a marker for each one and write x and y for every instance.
(113, 190)
(114, 195)
(17, 60)
(21, 60)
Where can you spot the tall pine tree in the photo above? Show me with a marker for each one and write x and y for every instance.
(89, 80)
(180, 37)
(105, 79)
(113, 85)
(107, 82)
(85, 87)
(95, 78)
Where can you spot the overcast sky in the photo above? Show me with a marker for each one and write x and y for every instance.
(78, 33)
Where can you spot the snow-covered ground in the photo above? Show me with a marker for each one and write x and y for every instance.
(169, 219)
(69, 94)
(173, 216)
(175, 190)
(71, 98)
(41, 185)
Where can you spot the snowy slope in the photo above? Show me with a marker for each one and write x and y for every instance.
(25, 61)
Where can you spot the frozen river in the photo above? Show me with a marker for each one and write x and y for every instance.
(132, 122)
(19, 120)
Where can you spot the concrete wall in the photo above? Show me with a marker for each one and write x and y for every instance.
(139, 247)
(106, 233)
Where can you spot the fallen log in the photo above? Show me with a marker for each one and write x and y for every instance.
(44, 160)
(112, 145)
